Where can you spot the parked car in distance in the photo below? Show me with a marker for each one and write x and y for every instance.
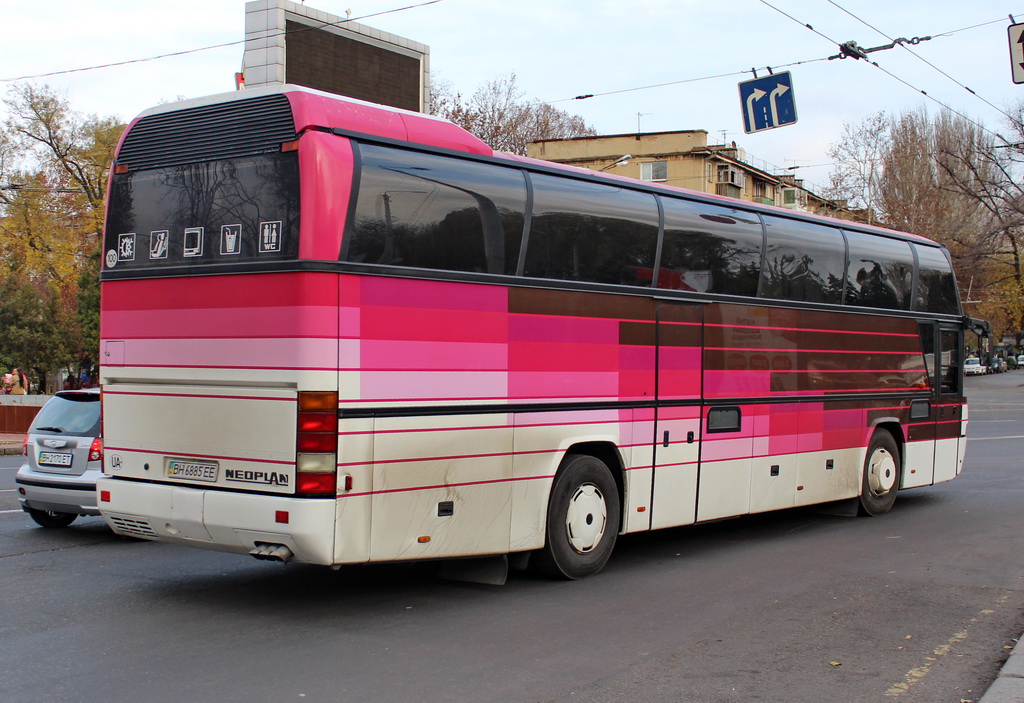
(974, 367)
(63, 458)
(1020, 361)
(997, 364)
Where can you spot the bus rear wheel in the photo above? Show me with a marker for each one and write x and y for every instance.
(582, 520)
(882, 474)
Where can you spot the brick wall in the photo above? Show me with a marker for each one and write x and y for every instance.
(15, 419)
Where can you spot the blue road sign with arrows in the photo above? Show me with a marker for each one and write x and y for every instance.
(768, 102)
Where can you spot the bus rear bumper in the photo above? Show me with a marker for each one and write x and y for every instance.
(242, 523)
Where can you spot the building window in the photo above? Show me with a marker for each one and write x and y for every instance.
(731, 175)
(654, 171)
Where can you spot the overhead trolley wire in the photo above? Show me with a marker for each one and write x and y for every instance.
(806, 61)
(214, 46)
(921, 58)
(682, 81)
(893, 75)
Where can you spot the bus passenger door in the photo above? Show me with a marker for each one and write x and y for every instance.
(932, 451)
(919, 450)
(949, 405)
(677, 426)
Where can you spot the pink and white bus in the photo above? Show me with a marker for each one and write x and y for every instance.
(338, 333)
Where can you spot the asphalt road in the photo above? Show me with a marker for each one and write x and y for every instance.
(914, 606)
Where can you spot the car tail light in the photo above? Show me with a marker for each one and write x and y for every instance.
(24, 446)
(96, 450)
(316, 443)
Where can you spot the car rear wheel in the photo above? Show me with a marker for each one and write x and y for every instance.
(49, 518)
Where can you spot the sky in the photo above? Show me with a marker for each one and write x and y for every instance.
(695, 51)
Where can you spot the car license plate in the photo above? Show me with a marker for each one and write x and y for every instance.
(54, 459)
(192, 470)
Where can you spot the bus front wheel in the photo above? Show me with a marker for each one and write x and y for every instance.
(882, 474)
(582, 520)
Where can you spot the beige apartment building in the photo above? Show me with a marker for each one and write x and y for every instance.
(685, 159)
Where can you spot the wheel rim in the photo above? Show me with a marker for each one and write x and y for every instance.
(586, 518)
(881, 472)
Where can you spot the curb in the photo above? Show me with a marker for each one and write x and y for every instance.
(1009, 685)
(9, 449)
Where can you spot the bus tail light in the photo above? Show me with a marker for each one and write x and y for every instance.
(316, 443)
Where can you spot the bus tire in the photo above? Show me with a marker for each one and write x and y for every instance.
(583, 520)
(882, 475)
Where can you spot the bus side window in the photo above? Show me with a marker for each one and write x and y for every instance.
(428, 211)
(936, 289)
(591, 232)
(804, 262)
(710, 249)
(880, 273)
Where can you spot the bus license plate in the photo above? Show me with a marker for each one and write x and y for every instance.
(192, 470)
(54, 459)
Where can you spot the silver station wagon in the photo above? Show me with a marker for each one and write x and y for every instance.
(63, 459)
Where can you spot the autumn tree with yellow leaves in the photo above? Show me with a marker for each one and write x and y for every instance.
(53, 178)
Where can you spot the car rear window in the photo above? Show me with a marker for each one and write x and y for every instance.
(69, 413)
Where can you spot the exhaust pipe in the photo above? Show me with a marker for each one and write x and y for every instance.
(271, 552)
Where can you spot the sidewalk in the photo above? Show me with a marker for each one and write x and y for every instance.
(11, 443)
(1009, 685)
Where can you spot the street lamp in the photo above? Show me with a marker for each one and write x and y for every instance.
(621, 161)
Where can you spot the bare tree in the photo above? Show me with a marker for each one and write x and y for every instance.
(987, 175)
(857, 174)
(499, 113)
(941, 176)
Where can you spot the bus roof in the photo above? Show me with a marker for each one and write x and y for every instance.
(314, 109)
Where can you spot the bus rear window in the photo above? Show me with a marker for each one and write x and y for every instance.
(233, 210)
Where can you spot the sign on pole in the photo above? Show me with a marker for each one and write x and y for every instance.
(768, 102)
(1016, 34)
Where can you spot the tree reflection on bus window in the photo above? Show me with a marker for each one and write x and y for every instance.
(880, 273)
(427, 211)
(710, 249)
(584, 231)
(804, 261)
